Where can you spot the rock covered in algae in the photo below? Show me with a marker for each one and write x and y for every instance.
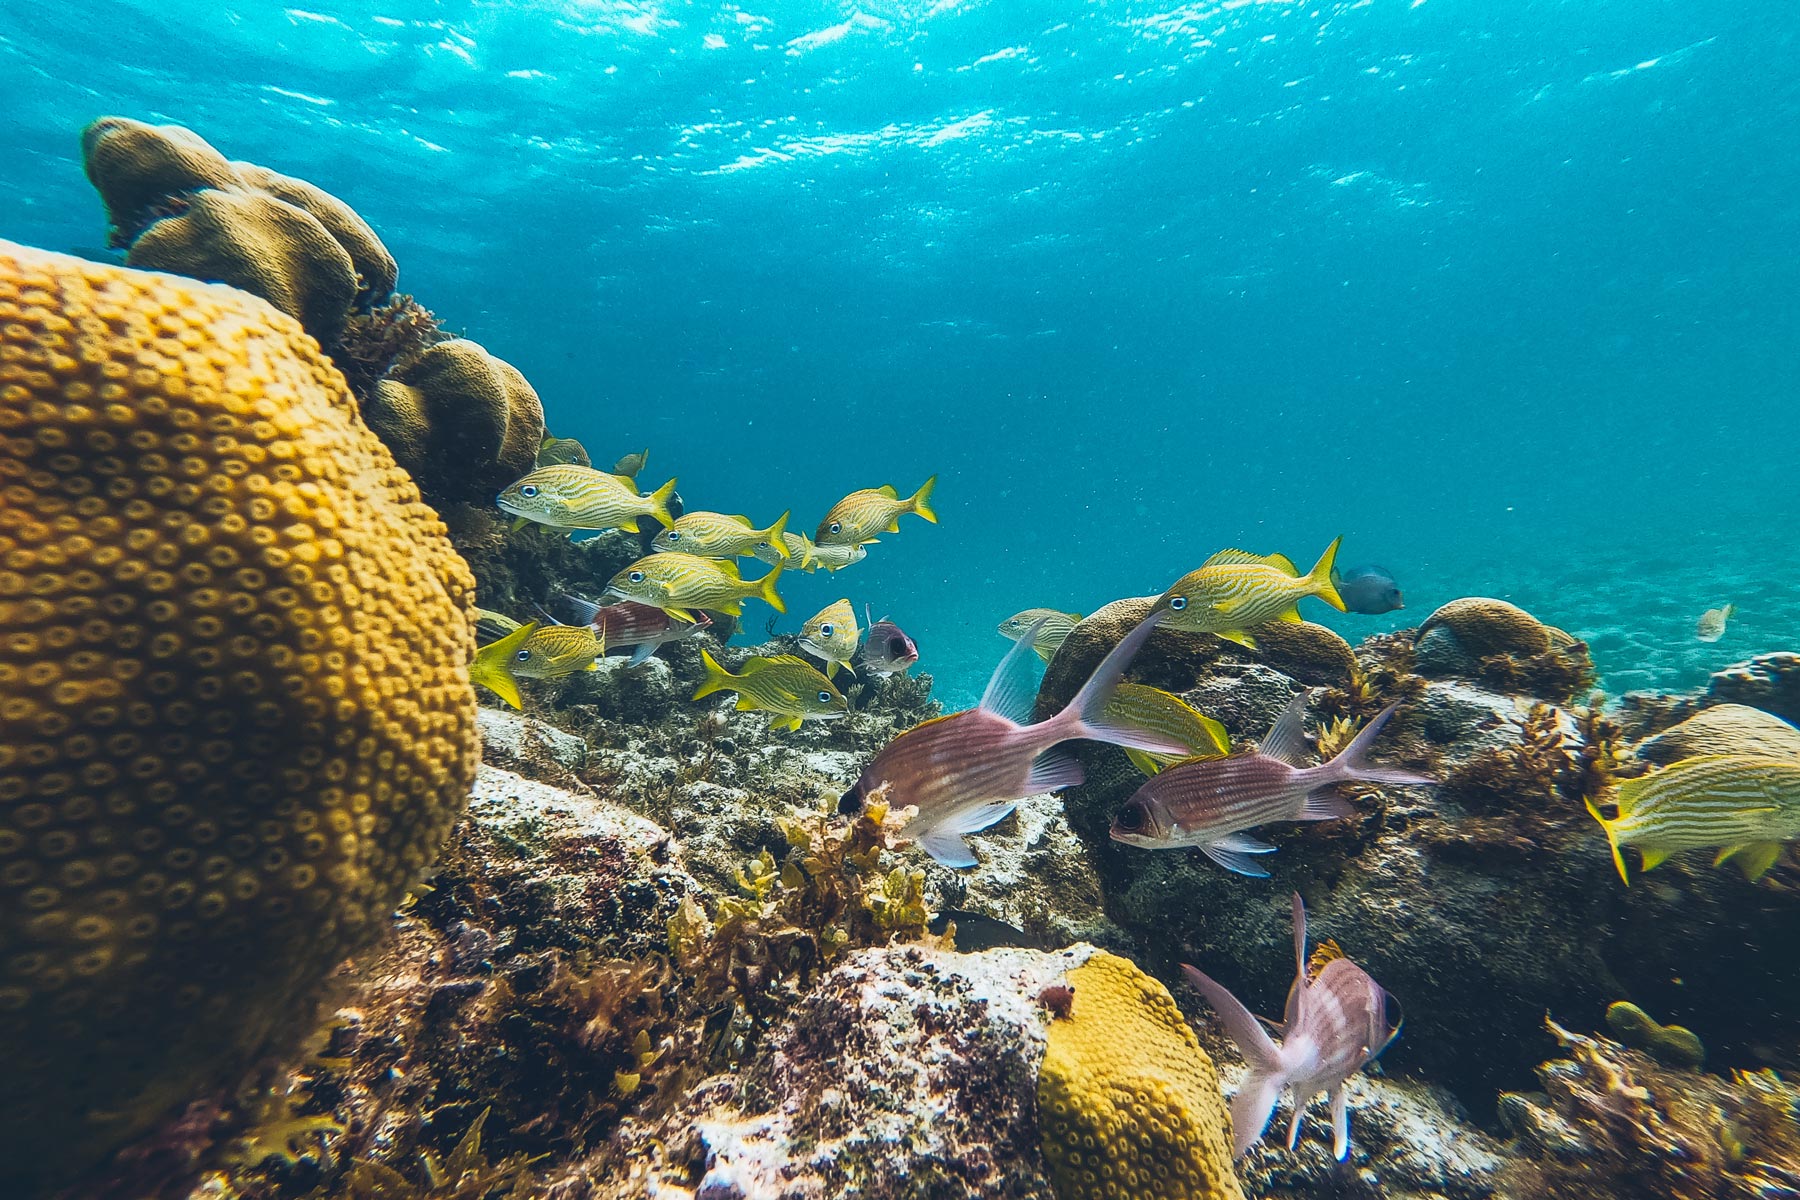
(1768, 681)
(239, 723)
(1723, 729)
(1129, 1104)
(1501, 644)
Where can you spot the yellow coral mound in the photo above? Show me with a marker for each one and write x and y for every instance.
(233, 685)
(1488, 626)
(459, 405)
(1128, 1102)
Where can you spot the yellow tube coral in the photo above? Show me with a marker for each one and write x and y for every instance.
(1128, 1102)
(234, 653)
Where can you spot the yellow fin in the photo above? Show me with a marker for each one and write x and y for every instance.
(1753, 858)
(887, 489)
(920, 502)
(659, 502)
(1145, 762)
(679, 614)
(718, 679)
(1612, 840)
(1243, 558)
(1652, 857)
(1321, 580)
(765, 588)
(1240, 636)
(728, 566)
(492, 665)
(520, 523)
(1291, 615)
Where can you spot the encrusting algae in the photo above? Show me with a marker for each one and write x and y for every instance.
(1128, 1102)
(239, 721)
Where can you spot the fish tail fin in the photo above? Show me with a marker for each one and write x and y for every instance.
(1086, 715)
(659, 503)
(776, 541)
(920, 501)
(585, 610)
(1352, 762)
(1255, 1100)
(1729, 612)
(807, 554)
(1324, 585)
(491, 665)
(1612, 840)
(717, 679)
(765, 588)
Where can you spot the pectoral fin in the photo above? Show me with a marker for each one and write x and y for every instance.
(1291, 615)
(1652, 857)
(1240, 636)
(1753, 858)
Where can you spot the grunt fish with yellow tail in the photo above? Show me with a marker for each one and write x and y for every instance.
(1744, 805)
(555, 451)
(569, 499)
(858, 517)
(805, 556)
(790, 689)
(677, 582)
(1053, 628)
(533, 651)
(967, 770)
(1144, 707)
(715, 535)
(831, 634)
(1234, 591)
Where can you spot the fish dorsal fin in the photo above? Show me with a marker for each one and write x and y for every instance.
(1286, 741)
(1012, 692)
(1323, 953)
(741, 520)
(727, 566)
(1299, 940)
(887, 489)
(775, 660)
(1243, 558)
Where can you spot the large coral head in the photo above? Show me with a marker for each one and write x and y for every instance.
(234, 691)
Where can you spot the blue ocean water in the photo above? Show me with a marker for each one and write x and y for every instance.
(1507, 295)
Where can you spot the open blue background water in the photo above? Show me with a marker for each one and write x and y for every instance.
(1507, 294)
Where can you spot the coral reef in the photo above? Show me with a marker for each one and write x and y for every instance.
(1723, 729)
(1502, 646)
(239, 719)
(1768, 681)
(1674, 1045)
(1129, 1103)
(461, 421)
(1612, 1122)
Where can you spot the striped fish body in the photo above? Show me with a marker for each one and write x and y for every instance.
(715, 535)
(1234, 591)
(788, 688)
(557, 451)
(568, 497)
(1203, 801)
(1742, 803)
(956, 767)
(832, 635)
(836, 558)
(858, 517)
(1054, 630)
(887, 650)
(1163, 712)
(629, 623)
(676, 582)
(555, 651)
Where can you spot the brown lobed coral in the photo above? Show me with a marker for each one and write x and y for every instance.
(235, 690)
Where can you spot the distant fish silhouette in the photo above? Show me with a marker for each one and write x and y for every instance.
(1711, 626)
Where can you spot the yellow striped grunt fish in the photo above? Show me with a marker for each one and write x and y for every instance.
(555, 451)
(631, 466)
(832, 635)
(1053, 628)
(1234, 591)
(804, 556)
(568, 498)
(787, 687)
(676, 582)
(1144, 707)
(1746, 804)
(1711, 626)
(858, 517)
(715, 535)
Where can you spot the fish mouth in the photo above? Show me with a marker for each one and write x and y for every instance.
(1140, 840)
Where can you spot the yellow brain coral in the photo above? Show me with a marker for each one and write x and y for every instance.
(233, 688)
(1488, 626)
(1128, 1102)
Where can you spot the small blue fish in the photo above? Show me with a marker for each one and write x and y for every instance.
(1369, 590)
(1210, 802)
(1338, 1020)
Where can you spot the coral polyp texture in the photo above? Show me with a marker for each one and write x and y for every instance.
(1128, 1102)
(234, 688)
(461, 421)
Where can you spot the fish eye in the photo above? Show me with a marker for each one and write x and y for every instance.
(522, 656)
(636, 577)
(825, 629)
(1130, 818)
(837, 527)
(896, 646)
(674, 535)
(824, 697)
(1178, 602)
(528, 491)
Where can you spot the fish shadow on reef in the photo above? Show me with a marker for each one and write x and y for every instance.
(1481, 903)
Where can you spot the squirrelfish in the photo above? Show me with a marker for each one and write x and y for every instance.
(676, 582)
(968, 770)
(1712, 623)
(858, 517)
(533, 651)
(886, 650)
(1234, 591)
(1338, 1019)
(715, 535)
(1747, 805)
(568, 498)
(1143, 707)
(555, 451)
(628, 625)
(630, 466)
(1209, 802)
(1053, 629)
(789, 688)
(832, 635)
